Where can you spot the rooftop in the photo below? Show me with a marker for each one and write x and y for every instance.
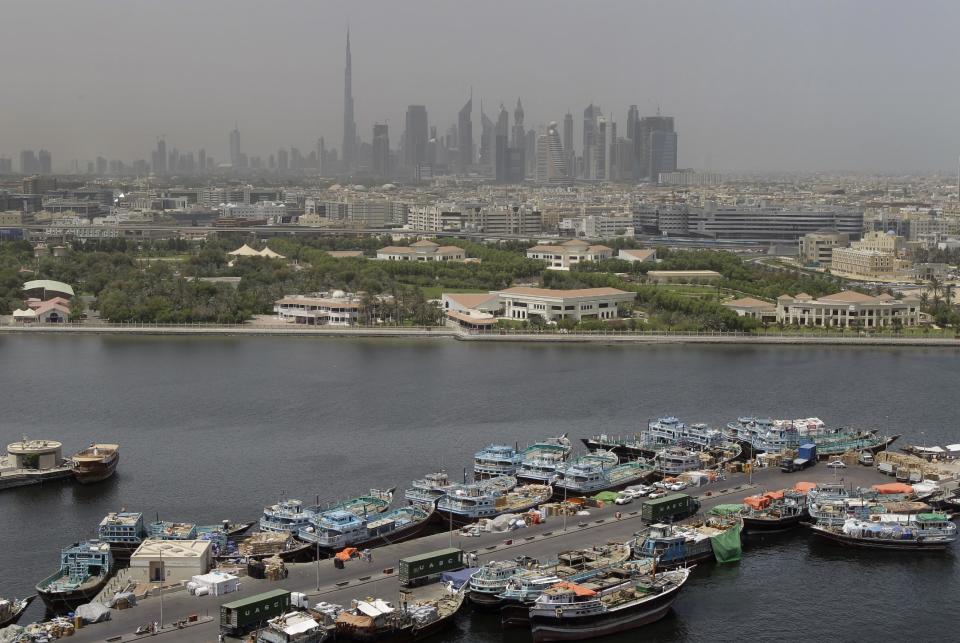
(561, 294)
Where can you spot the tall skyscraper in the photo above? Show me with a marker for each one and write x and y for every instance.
(529, 153)
(501, 145)
(202, 161)
(349, 125)
(465, 136)
(633, 115)
(160, 162)
(486, 142)
(45, 162)
(519, 133)
(381, 150)
(655, 154)
(590, 115)
(568, 144)
(235, 147)
(415, 136)
(28, 162)
(551, 158)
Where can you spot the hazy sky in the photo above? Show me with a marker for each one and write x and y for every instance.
(754, 85)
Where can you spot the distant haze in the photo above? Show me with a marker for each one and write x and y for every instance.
(765, 85)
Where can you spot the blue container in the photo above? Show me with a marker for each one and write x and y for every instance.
(808, 452)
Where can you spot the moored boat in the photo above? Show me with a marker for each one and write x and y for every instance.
(468, 503)
(428, 489)
(12, 610)
(574, 612)
(545, 468)
(331, 531)
(84, 570)
(588, 479)
(774, 511)
(718, 537)
(913, 532)
(96, 463)
(495, 460)
(124, 531)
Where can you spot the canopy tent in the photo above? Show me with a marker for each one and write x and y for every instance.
(726, 510)
(244, 251)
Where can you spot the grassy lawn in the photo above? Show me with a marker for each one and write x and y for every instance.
(434, 292)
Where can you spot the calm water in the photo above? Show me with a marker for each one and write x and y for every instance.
(214, 428)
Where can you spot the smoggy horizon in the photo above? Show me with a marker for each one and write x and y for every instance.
(753, 86)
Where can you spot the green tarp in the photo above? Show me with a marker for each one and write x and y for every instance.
(726, 510)
(726, 545)
(605, 496)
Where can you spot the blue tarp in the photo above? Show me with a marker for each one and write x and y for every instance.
(458, 578)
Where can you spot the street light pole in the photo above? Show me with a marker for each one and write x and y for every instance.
(317, 536)
(163, 575)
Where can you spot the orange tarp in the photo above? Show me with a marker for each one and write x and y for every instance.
(579, 590)
(804, 487)
(757, 502)
(892, 487)
(774, 495)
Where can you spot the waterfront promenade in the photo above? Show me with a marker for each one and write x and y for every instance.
(360, 579)
(456, 333)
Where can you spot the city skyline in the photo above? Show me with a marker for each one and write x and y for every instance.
(782, 99)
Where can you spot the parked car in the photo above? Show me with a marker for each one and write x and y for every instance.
(657, 494)
(624, 499)
(837, 464)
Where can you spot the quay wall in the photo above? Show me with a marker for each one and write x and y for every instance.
(448, 332)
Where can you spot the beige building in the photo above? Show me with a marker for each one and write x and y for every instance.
(336, 310)
(569, 253)
(586, 303)
(170, 561)
(881, 242)
(817, 247)
(848, 309)
(762, 311)
(866, 263)
(421, 251)
(11, 217)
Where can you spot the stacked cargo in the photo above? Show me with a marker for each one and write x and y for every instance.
(274, 569)
(265, 544)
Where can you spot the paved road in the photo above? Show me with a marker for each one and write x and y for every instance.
(361, 579)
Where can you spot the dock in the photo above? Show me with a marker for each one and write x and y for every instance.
(360, 579)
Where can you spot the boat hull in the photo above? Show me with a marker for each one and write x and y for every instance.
(756, 525)
(400, 535)
(63, 602)
(17, 613)
(98, 472)
(890, 545)
(551, 628)
(484, 601)
(514, 614)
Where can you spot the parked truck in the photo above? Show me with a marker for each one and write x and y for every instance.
(239, 617)
(676, 506)
(887, 468)
(806, 457)
(417, 570)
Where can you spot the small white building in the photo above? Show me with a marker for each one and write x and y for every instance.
(848, 308)
(569, 253)
(586, 303)
(684, 276)
(762, 311)
(335, 309)
(170, 561)
(421, 251)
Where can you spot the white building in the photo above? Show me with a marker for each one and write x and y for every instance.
(170, 561)
(338, 309)
(259, 211)
(521, 303)
(846, 309)
(865, 263)
(603, 226)
(569, 253)
(758, 309)
(421, 251)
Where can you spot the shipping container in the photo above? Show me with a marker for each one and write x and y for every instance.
(418, 568)
(672, 507)
(241, 616)
(808, 452)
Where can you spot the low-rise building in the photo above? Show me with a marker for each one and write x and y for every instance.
(865, 263)
(336, 309)
(684, 276)
(637, 255)
(170, 562)
(762, 311)
(816, 248)
(421, 251)
(848, 309)
(569, 253)
(520, 303)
